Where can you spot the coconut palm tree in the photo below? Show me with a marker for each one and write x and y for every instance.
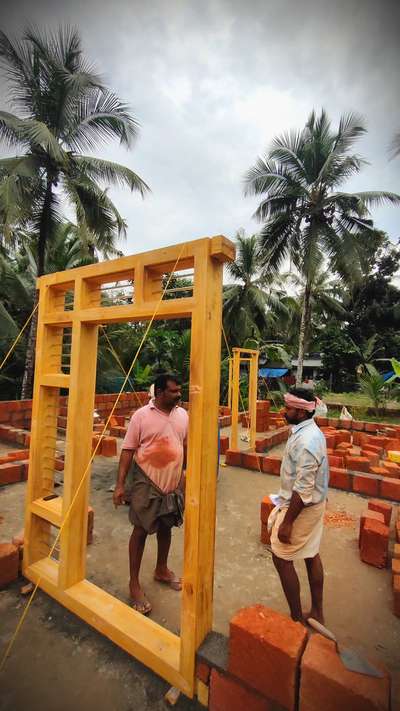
(395, 145)
(306, 216)
(250, 307)
(62, 109)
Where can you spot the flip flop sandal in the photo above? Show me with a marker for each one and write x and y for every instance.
(142, 606)
(173, 583)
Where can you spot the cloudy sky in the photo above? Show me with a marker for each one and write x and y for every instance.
(212, 82)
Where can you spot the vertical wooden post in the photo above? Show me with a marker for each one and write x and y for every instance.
(197, 596)
(235, 399)
(253, 380)
(230, 383)
(78, 439)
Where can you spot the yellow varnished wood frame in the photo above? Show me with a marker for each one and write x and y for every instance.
(170, 656)
(243, 355)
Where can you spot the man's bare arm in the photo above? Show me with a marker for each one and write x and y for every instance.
(285, 529)
(125, 462)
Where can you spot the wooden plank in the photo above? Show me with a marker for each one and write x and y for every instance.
(168, 309)
(55, 380)
(140, 636)
(78, 447)
(253, 382)
(50, 510)
(233, 444)
(197, 595)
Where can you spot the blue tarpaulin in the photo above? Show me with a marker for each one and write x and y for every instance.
(272, 372)
(386, 376)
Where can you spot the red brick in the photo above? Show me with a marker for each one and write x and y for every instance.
(382, 507)
(335, 461)
(339, 478)
(228, 694)
(372, 457)
(374, 544)
(393, 444)
(346, 424)
(363, 484)
(396, 596)
(396, 550)
(10, 473)
(250, 460)
(109, 447)
(373, 447)
(392, 469)
(266, 507)
(223, 443)
(358, 425)
(378, 471)
(327, 684)
(342, 437)
(357, 464)
(371, 427)
(233, 458)
(260, 640)
(321, 421)
(9, 562)
(19, 454)
(25, 469)
(369, 514)
(265, 536)
(330, 441)
(271, 465)
(203, 672)
(333, 422)
(397, 531)
(390, 489)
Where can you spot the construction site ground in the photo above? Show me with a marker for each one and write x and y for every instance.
(58, 662)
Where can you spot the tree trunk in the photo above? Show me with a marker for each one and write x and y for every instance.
(305, 318)
(27, 380)
(44, 234)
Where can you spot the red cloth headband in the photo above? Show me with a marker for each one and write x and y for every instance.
(299, 404)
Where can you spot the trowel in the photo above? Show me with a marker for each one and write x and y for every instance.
(349, 657)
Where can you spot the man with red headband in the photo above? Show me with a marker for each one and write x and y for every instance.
(297, 521)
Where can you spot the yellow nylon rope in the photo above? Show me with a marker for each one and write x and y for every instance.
(21, 621)
(18, 337)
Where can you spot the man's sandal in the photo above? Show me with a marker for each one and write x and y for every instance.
(173, 583)
(142, 606)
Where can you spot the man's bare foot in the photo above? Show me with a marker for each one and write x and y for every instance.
(168, 577)
(316, 615)
(139, 601)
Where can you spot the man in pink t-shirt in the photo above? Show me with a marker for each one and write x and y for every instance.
(156, 437)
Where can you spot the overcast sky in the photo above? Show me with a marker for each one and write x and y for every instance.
(213, 82)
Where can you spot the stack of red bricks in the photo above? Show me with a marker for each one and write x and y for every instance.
(14, 466)
(373, 538)
(257, 461)
(273, 664)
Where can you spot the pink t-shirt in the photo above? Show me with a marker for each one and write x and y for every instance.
(158, 440)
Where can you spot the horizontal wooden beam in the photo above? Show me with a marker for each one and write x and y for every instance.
(140, 636)
(168, 309)
(50, 510)
(55, 380)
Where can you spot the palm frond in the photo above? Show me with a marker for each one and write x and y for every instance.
(110, 172)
